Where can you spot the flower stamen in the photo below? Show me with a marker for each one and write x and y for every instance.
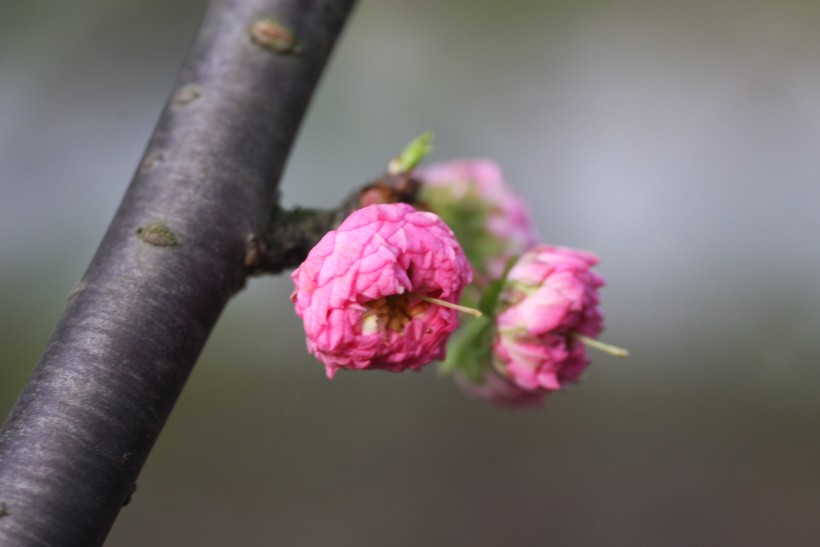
(390, 312)
(602, 346)
(444, 303)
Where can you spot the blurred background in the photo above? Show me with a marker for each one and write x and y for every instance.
(677, 140)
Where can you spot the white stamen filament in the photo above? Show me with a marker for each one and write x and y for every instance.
(444, 303)
(602, 346)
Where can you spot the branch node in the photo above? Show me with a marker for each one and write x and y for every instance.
(76, 290)
(187, 94)
(151, 160)
(255, 249)
(130, 495)
(272, 35)
(158, 234)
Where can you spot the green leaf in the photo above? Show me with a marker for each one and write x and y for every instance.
(412, 155)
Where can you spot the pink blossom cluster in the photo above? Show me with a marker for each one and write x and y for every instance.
(363, 290)
(376, 293)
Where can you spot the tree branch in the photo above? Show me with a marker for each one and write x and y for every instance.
(73, 445)
(291, 234)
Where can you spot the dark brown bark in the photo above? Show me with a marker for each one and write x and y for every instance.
(292, 233)
(177, 249)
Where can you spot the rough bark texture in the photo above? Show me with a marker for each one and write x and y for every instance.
(293, 233)
(177, 249)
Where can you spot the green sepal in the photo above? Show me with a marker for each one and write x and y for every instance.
(412, 155)
(467, 217)
(489, 298)
(470, 349)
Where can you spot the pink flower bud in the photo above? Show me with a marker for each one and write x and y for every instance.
(357, 290)
(550, 296)
(490, 220)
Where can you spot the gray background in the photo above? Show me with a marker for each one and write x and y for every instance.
(677, 140)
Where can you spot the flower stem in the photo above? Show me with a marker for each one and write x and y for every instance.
(439, 302)
(601, 346)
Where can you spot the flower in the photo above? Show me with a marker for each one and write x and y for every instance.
(363, 291)
(548, 305)
(491, 221)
